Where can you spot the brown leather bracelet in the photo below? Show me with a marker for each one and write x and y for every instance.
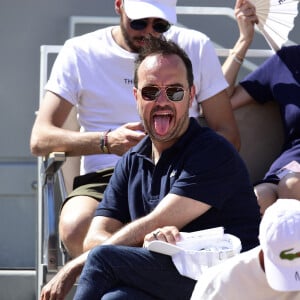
(104, 142)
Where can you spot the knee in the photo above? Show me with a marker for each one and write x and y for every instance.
(266, 194)
(71, 236)
(100, 253)
(72, 231)
(75, 219)
(289, 186)
(69, 228)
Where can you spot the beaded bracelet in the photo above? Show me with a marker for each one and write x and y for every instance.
(237, 58)
(104, 142)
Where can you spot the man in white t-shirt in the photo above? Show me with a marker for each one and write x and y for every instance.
(94, 73)
(269, 271)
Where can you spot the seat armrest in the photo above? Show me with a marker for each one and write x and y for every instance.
(51, 173)
(53, 162)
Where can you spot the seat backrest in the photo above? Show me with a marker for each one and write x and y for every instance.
(261, 133)
(260, 126)
(261, 136)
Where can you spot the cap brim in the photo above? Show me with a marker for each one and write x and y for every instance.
(229, 242)
(283, 278)
(163, 248)
(137, 10)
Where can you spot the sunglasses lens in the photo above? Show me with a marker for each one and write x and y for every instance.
(175, 93)
(161, 26)
(150, 93)
(139, 24)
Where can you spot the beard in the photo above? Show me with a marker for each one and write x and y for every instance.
(130, 42)
(173, 134)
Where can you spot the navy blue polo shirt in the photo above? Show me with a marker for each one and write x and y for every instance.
(201, 165)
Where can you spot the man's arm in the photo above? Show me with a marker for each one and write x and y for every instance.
(245, 14)
(48, 135)
(219, 116)
(217, 110)
(246, 19)
(173, 210)
(60, 285)
(240, 97)
(101, 229)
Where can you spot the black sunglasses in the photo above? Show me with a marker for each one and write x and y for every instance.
(151, 93)
(158, 25)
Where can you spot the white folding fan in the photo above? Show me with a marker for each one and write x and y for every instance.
(276, 20)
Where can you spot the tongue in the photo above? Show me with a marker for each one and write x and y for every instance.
(161, 124)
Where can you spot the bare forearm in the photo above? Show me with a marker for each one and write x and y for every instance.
(219, 116)
(245, 14)
(232, 136)
(45, 141)
(233, 63)
(60, 285)
(48, 138)
(134, 233)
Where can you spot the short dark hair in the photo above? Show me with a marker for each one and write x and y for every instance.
(164, 47)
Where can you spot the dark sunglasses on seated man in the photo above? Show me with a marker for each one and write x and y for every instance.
(158, 25)
(173, 93)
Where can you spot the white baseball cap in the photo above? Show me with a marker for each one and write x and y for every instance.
(199, 250)
(279, 236)
(140, 9)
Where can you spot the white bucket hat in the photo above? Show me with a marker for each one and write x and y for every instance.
(140, 9)
(199, 250)
(279, 236)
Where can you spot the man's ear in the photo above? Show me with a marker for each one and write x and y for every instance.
(118, 5)
(192, 94)
(135, 93)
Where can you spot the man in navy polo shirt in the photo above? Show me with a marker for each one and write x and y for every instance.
(180, 177)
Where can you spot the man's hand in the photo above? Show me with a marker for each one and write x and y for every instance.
(123, 138)
(169, 234)
(60, 285)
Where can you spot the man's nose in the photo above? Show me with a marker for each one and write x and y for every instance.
(149, 29)
(162, 97)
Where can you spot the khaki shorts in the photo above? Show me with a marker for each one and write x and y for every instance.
(91, 184)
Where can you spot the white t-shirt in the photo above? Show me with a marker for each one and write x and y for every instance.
(96, 75)
(240, 277)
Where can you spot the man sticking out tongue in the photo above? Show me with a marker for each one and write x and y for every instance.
(181, 177)
(164, 94)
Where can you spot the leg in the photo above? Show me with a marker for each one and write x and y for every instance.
(266, 194)
(78, 209)
(127, 293)
(75, 218)
(289, 186)
(112, 267)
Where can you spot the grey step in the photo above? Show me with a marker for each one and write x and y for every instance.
(21, 285)
(17, 284)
